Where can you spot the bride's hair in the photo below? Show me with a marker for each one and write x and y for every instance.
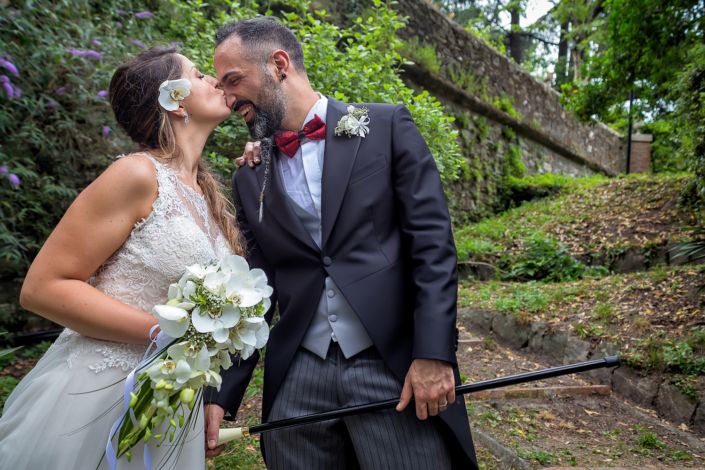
(134, 93)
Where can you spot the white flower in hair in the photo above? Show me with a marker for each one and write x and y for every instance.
(173, 91)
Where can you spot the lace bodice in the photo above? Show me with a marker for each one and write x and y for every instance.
(177, 233)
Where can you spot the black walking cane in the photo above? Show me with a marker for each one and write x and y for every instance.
(231, 434)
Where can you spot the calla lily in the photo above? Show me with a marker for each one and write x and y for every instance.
(173, 321)
(173, 91)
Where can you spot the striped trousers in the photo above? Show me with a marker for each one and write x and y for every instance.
(380, 440)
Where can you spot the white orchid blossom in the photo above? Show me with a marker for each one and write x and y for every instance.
(173, 321)
(171, 92)
(248, 291)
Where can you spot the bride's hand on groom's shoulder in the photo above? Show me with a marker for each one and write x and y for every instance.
(213, 417)
(250, 155)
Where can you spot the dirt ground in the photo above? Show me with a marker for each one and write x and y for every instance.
(590, 431)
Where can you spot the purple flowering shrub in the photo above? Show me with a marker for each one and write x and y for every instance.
(56, 61)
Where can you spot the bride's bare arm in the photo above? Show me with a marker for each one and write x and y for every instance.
(94, 227)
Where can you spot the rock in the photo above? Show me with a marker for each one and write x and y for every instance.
(576, 350)
(631, 261)
(659, 255)
(485, 272)
(536, 334)
(479, 318)
(554, 344)
(604, 375)
(629, 384)
(699, 419)
(507, 328)
(674, 405)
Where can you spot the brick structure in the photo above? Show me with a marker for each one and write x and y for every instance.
(640, 158)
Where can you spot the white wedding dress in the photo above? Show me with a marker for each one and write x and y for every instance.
(49, 421)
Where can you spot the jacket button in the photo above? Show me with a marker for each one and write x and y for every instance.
(327, 261)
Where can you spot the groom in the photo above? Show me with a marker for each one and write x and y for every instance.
(355, 237)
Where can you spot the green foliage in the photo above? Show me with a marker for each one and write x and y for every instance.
(422, 54)
(542, 259)
(691, 108)
(53, 135)
(648, 439)
(6, 353)
(7, 385)
(540, 456)
(506, 103)
(666, 154)
(526, 188)
(360, 64)
(468, 81)
(683, 356)
(475, 249)
(515, 167)
(642, 46)
(603, 311)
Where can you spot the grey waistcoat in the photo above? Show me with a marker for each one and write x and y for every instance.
(334, 318)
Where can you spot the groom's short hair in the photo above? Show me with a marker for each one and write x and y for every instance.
(262, 35)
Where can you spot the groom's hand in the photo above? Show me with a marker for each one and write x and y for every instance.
(213, 417)
(432, 385)
(250, 155)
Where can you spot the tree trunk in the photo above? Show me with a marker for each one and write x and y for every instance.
(562, 63)
(515, 37)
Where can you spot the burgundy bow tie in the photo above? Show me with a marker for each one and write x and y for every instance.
(289, 141)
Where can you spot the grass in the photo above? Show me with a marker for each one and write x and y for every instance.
(648, 439)
(587, 215)
(653, 318)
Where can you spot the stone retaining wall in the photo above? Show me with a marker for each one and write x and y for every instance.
(561, 347)
(496, 76)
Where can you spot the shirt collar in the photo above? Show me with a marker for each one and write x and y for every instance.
(319, 107)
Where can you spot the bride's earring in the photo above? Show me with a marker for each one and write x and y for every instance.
(185, 117)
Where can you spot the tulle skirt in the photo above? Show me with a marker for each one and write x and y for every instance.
(59, 416)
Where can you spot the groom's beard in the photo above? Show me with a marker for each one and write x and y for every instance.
(270, 110)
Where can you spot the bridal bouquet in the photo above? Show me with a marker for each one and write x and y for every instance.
(212, 312)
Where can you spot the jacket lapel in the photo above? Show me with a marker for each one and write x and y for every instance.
(338, 161)
(276, 202)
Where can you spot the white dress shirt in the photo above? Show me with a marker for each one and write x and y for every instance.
(302, 173)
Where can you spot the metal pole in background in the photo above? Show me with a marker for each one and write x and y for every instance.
(629, 133)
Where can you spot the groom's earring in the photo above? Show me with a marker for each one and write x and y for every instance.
(185, 117)
(282, 77)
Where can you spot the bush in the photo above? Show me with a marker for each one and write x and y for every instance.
(58, 131)
(543, 258)
(691, 109)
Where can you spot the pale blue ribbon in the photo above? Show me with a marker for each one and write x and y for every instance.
(110, 454)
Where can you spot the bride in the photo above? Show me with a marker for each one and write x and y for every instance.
(112, 256)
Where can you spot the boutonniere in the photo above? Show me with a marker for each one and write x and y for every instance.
(355, 123)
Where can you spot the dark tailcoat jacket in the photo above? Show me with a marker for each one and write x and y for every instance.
(386, 243)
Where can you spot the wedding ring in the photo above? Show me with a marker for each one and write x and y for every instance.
(443, 405)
